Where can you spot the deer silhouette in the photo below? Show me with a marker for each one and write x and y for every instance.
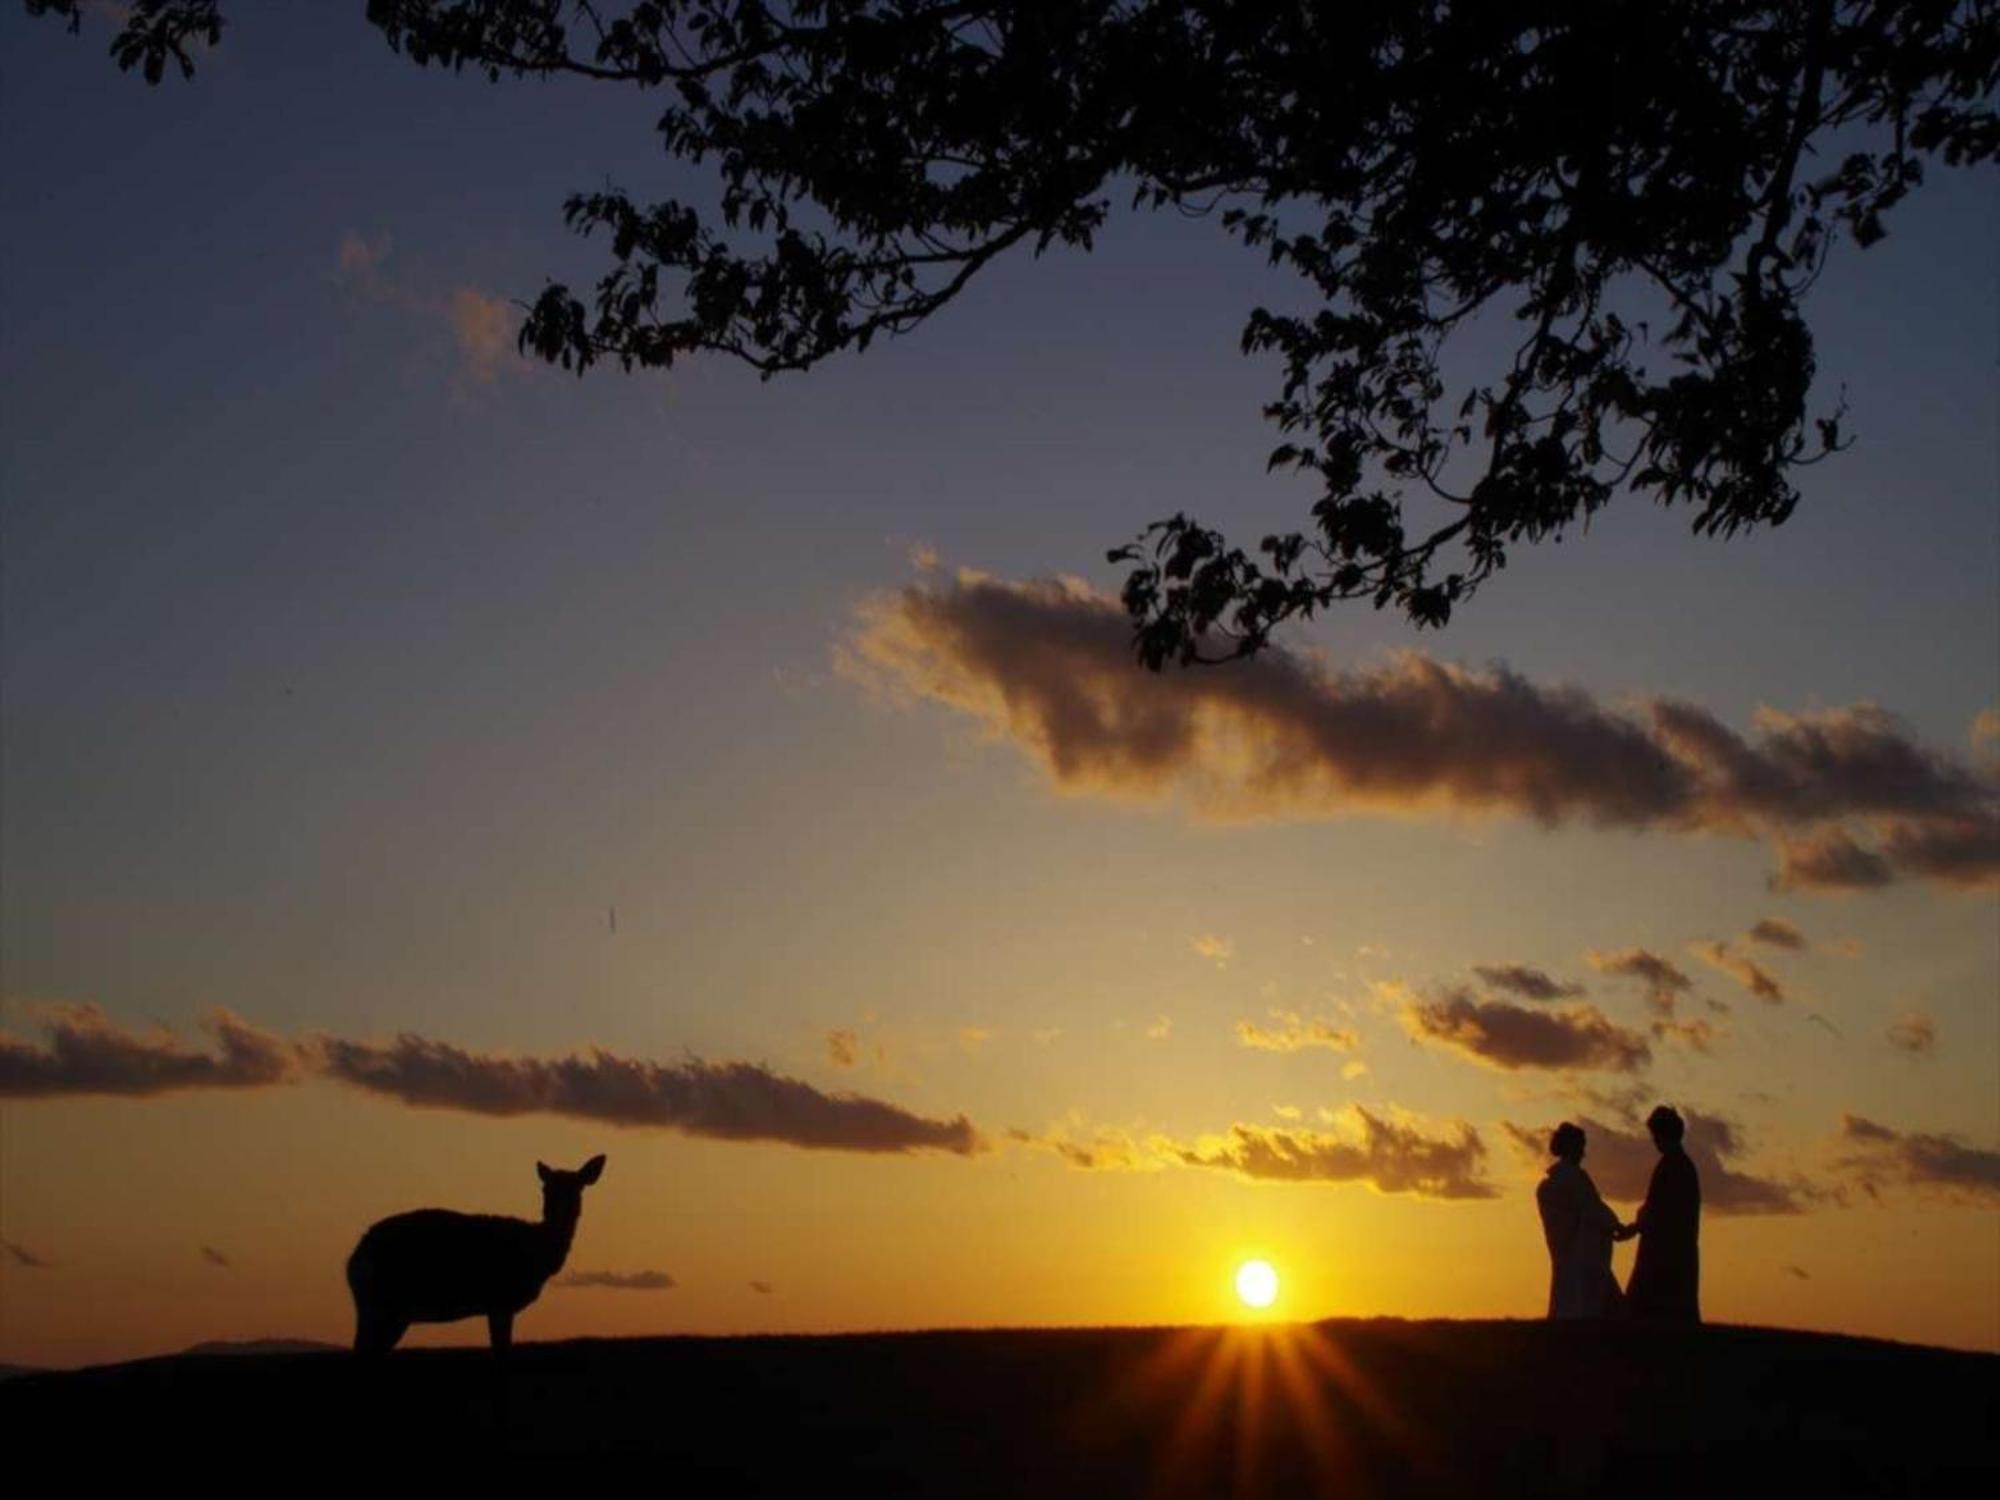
(437, 1266)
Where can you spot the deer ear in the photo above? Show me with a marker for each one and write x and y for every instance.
(592, 1170)
(542, 1171)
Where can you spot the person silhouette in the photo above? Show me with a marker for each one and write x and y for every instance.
(1666, 1277)
(1579, 1227)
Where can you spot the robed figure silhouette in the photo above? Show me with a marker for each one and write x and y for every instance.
(1666, 1278)
(1579, 1227)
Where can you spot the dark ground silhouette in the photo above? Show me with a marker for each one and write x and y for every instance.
(1350, 1408)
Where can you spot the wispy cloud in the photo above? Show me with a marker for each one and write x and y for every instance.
(22, 1256)
(1915, 1033)
(621, 1281)
(1216, 949)
(1875, 1157)
(1048, 667)
(1665, 981)
(1746, 971)
(1504, 1035)
(736, 1101)
(1776, 932)
(1390, 1153)
(1526, 981)
(481, 327)
(86, 1052)
(1296, 1033)
(1696, 1034)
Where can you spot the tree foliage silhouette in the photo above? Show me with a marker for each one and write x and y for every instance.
(1646, 190)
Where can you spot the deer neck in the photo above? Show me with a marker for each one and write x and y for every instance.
(557, 1232)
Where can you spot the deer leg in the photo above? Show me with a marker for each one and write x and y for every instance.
(376, 1333)
(501, 1326)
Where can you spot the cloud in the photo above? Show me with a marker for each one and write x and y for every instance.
(1697, 1035)
(214, 1257)
(22, 1256)
(1829, 861)
(1218, 949)
(1527, 982)
(1503, 1035)
(1621, 1161)
(1391, 1154)
(1664, 980)
(1296, 1033)
(1161, 1029)
(621, 1281)
(1915, 1033)
(1962, 851)
(1103, 1149)
(482, 327)
(1048, 667)
(972, 1038)
(1938, 1165)
(1753, 976)
(843, 1049)
(1986, 727)
(1776, 932)
(735, 1101)
(86, 1052)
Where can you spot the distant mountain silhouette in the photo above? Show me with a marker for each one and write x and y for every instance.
(10, 1372)
(262, 1346)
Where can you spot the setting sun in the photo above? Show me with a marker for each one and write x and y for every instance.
(1257, 1283)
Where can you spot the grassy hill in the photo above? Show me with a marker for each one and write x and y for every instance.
(1346, 1408)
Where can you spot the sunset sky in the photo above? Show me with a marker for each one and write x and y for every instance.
(418, 762)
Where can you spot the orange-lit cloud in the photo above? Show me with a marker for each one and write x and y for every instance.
(621, 1281)
(1915, 1034)
(1776, 932)
(1048, 666)
(1389, 1154)
(89, 1053)
(1621, 1161)
(1665, 981)
(1504, 1035)
(1877, 1157)
(1697, 1035)
(1746, 971)
(482, 327)
(1828, 860)
(1209, 946)
(1526, 981)
(736, 1101)
(1296, 1033)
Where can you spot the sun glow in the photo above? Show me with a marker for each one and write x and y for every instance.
(1257, 1283)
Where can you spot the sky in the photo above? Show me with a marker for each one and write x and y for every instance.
(417, 764)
